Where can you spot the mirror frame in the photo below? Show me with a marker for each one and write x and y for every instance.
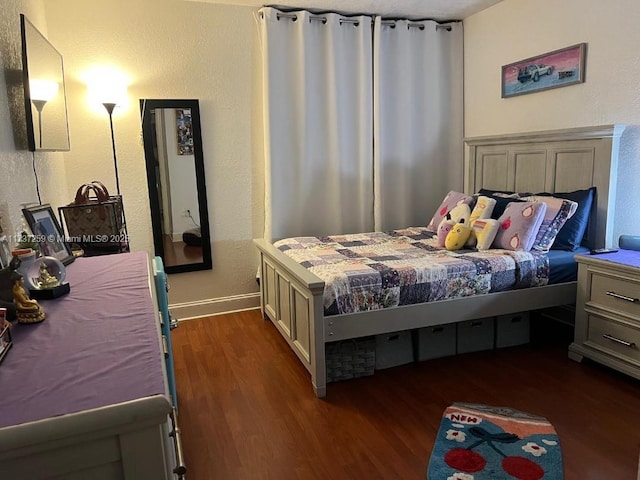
(30, 35)
(146, 108)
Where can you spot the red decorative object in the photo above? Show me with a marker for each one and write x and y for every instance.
(522, 468)
(465, 460)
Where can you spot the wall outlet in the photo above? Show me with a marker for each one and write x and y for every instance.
(186, 213)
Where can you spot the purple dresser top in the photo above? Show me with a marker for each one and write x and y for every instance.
(97, 346)
(624, 257)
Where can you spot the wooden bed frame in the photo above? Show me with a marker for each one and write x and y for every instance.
(551, 161)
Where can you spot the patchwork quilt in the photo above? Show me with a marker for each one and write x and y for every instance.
(370, 271)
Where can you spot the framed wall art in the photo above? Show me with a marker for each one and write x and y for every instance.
(185, 131)
(556, 69)
(47, 233)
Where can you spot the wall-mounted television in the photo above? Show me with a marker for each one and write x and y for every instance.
(44, 92)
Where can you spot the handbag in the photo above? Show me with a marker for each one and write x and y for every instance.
(94, 216)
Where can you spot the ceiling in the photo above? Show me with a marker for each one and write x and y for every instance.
(414, 9)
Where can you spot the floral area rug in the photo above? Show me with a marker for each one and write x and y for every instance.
(479, 442)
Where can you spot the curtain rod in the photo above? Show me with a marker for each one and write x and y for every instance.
(355, 22)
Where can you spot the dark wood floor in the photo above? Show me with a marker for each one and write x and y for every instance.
(179, 253)
(247, 410)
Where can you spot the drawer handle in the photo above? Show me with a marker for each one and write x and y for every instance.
(623, 297)
(621, 342)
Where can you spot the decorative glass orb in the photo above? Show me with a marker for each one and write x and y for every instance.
(45, 273)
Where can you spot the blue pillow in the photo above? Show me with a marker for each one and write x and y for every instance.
(570, 235)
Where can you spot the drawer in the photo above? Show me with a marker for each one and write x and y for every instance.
(614, 338)
(621, 295)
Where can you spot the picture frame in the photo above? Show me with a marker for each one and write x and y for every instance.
(184, 131)
(47, 233)
(5, 252)
(5, 334)
(559, 68)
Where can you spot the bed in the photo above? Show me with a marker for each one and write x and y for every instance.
(293, 298)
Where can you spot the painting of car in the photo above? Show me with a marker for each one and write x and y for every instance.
(559, 68)
(533, 72)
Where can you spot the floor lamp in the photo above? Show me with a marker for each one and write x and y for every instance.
(109, 106)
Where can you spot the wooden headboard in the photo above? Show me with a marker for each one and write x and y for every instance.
(552, 161)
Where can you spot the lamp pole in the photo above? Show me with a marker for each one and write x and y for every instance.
(109, 107)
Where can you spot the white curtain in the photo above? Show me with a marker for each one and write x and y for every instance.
(363, 125)
(418, 112)
(318, 123)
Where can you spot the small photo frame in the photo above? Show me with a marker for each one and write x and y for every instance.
(556, 69)
(5, 252)
(184, 131)
(47, 233)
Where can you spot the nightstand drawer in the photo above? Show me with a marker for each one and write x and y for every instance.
(618, 294)
(613, 337)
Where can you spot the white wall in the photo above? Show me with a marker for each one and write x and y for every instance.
(17, 180)
(516, 29)
(173, 49)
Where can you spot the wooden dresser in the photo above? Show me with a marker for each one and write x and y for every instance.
(607, 327)
(85, 394)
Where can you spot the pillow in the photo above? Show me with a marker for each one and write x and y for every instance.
(570, 236)
(485, 231)
(482, 209)
(558, 212)
(519, 225)
(501, 204)
(451, 199)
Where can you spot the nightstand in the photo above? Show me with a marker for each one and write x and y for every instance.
(607, 327)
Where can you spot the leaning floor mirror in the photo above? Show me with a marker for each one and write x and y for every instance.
(175, 176)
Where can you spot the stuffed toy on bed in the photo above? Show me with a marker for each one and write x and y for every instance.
(485, 231)
(482, 209)
(457, 215)
(458, 236)
(459, 233)
(445, 226)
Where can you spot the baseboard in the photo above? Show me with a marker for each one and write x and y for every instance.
(214, 306)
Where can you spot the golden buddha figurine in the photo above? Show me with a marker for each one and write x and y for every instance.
(27, 310)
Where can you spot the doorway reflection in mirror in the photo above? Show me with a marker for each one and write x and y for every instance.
(175, 170)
